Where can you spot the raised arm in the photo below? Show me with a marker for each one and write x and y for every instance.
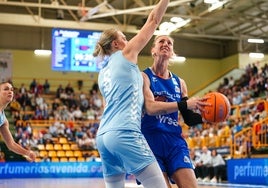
(138, 42)
(12, 145)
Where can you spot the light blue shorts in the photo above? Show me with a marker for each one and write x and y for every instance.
(123, 152)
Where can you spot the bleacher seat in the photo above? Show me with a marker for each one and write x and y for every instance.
(63, 159)
(69, 153)
(52, 153)
(49, 147)
(63, 140)
(66, 146)
(60, 153)
(57, 147)
(78, 153)
(80, 159)
(72, 159)
(43, 153)
(55, 159)
(41, 147)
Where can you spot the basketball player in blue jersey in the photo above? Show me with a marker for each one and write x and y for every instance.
(6, 96)
(159, 126)
(122, 147)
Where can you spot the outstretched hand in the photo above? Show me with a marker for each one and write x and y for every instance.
(30, 156)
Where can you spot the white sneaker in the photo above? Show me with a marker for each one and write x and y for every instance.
(199, 179)
(213, 180)
(206, 179)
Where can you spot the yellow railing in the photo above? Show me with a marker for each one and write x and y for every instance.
(260, 134)
(240, 145)
(46, 123)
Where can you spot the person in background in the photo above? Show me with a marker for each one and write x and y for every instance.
(6, 96)
(205, 164)
(46, 87)
(122, 147)
(2, 157)
(218, 165)
(159, 124)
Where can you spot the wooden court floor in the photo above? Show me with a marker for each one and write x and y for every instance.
(88, 183)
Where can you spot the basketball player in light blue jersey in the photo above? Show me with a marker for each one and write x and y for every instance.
(122, 147)
(6, 96)
(161, 128)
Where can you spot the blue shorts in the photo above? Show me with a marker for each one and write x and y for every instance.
(123, 152)
(170, 150)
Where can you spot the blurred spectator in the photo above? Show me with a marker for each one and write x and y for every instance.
(86, 143)
(77, 113)
(205, 163)
(33, 85)
(46, 86)
(59, 91)
(218, 165)
(2, 157)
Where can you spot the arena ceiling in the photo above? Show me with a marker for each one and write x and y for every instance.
(232, 20)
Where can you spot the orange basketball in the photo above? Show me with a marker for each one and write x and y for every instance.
(219, 109)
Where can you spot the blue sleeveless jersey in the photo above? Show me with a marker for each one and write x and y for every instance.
(120, 83)
(168, 90)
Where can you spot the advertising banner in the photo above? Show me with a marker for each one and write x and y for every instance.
(50, 170)
(248, 171)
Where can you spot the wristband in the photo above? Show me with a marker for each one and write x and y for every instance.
(182, 106)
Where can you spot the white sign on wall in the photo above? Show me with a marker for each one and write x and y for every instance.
(6, 60)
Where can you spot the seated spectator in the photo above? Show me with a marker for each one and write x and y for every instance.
(90, 114)
(77, 113)
(204, 164)
(218, 165)
(86, 143)
(24, 141)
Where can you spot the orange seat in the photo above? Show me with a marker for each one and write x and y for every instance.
(74, 147)
(57, 147)
(63, 140)
(80, 159)
(60, 153)
(66, 147)
(55, 159)
(63, 159)
(52, 153)
(41, 147)
(69, 153)
(72, 159)
(38, 159)
(49, 147)
(43, 153)
(78, 153)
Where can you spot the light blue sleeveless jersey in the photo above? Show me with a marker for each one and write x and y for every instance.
(120, 83)
(2, 118)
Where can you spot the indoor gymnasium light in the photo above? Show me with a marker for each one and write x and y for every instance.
(42, 52)
(178, 59)
(256, 55)
(256, 41)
